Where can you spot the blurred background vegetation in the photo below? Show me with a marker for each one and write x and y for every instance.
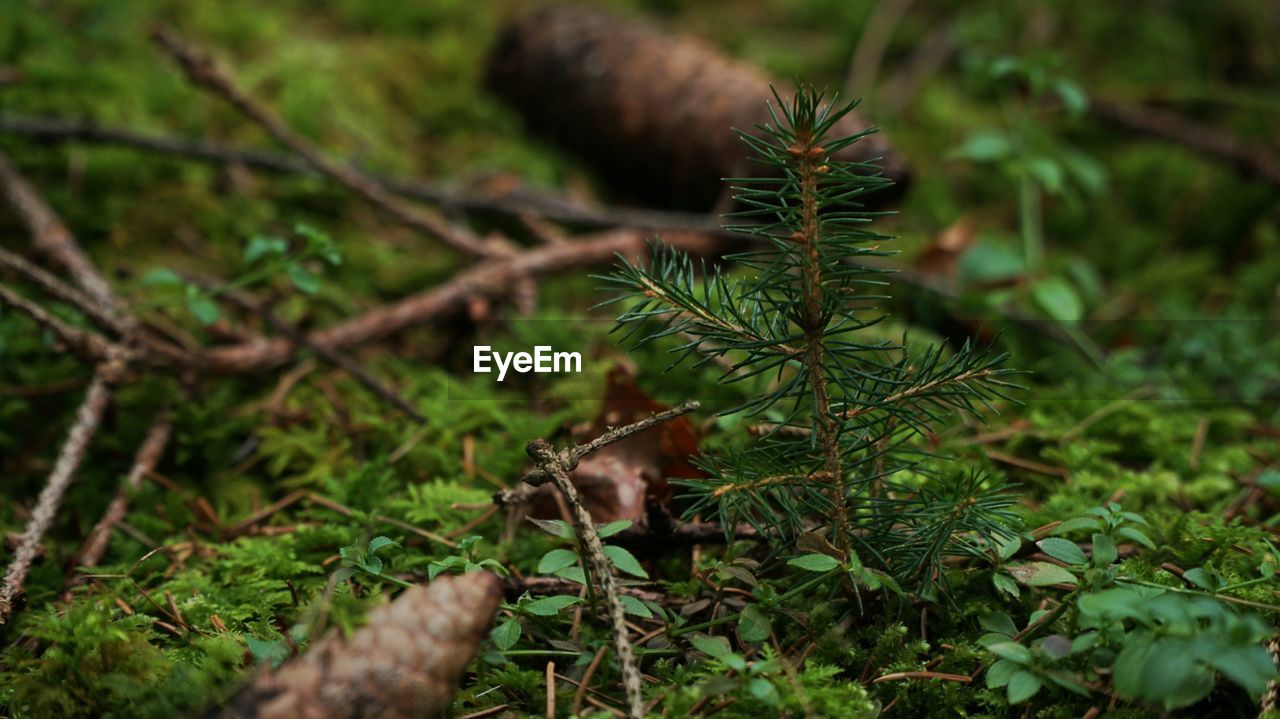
(1159, 264)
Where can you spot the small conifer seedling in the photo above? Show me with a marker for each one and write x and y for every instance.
(836, 457)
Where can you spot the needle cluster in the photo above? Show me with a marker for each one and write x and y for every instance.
(842, 405)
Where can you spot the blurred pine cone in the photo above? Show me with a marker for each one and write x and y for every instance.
(405, 663)
(653, 111)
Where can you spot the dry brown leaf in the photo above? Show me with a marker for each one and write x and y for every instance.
(618, 481)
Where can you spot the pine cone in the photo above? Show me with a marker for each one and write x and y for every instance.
(405, 663)
(653, 111)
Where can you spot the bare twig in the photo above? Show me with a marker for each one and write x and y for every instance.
(88, 416)
(328, 354)
(54, 239)
(88, 344)
(520, 202)
(201, 70)
(1249, 159)
(487, 278)
(569, 458)
(556, 466)
(144, 462)
(59, 289)
(876, 34)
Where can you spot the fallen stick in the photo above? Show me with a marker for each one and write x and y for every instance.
(1251, 160)
(493, 277)
(513, 203)
(53, 239)
(90, 346)
(144, 462)
(57, 288)
(202, 71)
(555, 467)
(328, 354)
(88, 417)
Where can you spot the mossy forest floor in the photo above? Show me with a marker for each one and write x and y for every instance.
(1154, 387)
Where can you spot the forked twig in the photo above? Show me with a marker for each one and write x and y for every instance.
(555, 467)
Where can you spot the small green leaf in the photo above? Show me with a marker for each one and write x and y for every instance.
(272, 652)
(574, 574)
(378, 543)
(1006, 585)
(714, 647)
(1085, 642)
(1077, 524)
(305, 280)
(161, 278)
(1022, 686)
(557, 559)
(1062, 550)
(998, 622)
(1001, 672)
(625, 561)
(554, 527)
(814, 562)
(985, 147)
(1136, 536)
(1201, 578)
(1012, 651)
(550, 606)
(1074, 100)
(763, 690)
(1104, 551)
(203, 309)
(1047, 173)
(263, 246)
(753, 624)
(608, 530)
(991, 261)
(1041, 574)
(506, 634)
(1058, 299)
(635, 606)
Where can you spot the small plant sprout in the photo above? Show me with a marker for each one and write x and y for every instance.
(842, 406)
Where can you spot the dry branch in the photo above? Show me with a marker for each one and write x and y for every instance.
(202, 71)
(493, 277)
(144, 462)
(64, 470)
(53, 238)
(62, 291)
(89, 345)
(511, 202)
(404, 664)
(557, 468)
(328, 354)
(1251, 160)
